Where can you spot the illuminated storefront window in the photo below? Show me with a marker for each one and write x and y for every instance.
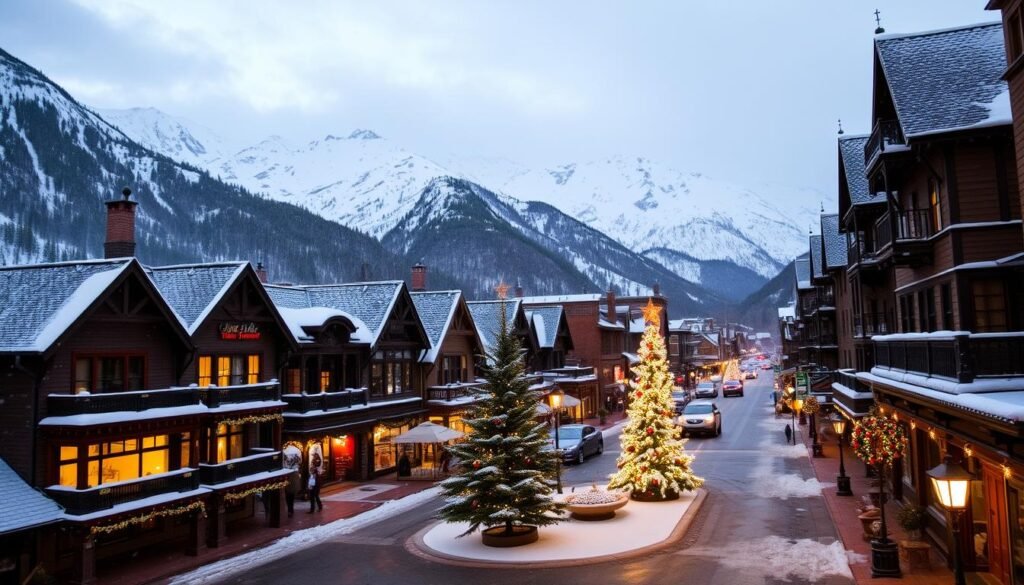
(383, 449)
(116, 461)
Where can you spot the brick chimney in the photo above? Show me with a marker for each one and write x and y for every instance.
(656, 289)
(419, 278)
(120, 241)
(613, 315)
(261, 272)
(519, 290)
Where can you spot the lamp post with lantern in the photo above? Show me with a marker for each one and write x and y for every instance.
(951, 483)
(555, 399)
(842, 481)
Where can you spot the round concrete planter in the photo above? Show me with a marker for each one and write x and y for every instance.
(497, 537)
(591, 512)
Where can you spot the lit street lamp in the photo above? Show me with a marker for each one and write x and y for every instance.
(555, 399)
(842, 481)
(951, 483)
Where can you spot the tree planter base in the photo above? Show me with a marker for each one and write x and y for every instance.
(497, 537)
(885, 559)
(654, 496)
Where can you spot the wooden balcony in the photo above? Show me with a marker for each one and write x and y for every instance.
(303, 403)
(887, 135)
(913, 228)
(962, 358)
(215, 396)
(870, 324)
(72, 404)
(217, 473)
(452, 392)
(105, 497)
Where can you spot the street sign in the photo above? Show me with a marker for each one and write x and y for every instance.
(803, 386)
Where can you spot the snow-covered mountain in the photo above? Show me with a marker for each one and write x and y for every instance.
(176, 138)
(705, 230)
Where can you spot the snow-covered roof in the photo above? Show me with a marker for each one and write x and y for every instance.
(21, 506)
(787, 312)
(851, 149)
(487, 318)
(999, 398)
(193, 290)
(39, 302)
(436, 310)
(817, 267)
(297, 320)
(545, 322)
(803, 272)
(366, 303)
(948, 79)
(833, 242)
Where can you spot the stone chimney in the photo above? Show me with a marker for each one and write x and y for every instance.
(613, 316)
(120, 241)
(419, 278)
(261, 272)
(519, 290)
(656, 289)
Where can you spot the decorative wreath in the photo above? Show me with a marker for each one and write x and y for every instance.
(877, 439)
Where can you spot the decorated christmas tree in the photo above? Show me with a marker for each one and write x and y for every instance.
(507, 475)
(653, 464)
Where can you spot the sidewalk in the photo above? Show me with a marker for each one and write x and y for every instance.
(344, 500)
(844, 515)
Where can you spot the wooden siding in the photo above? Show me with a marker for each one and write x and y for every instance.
(991, 243)
(977, 182)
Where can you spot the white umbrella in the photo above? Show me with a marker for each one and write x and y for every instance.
(428, 432)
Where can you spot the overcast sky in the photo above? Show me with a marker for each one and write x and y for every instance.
(748, 91)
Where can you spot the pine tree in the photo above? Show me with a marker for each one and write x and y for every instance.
(653, 464)
(508, 474)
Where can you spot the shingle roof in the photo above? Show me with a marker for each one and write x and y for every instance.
(193, 290)
(851, 148)
(834, 242)
(21, 506)
(948, 79)
(38, 302)
(435, 309)
(817, 266)
(487, 316)
(545, 322)
(369, 302)
(803, 272)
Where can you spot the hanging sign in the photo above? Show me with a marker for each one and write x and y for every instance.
(247, 331)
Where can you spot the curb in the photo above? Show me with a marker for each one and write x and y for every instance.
(417, 547)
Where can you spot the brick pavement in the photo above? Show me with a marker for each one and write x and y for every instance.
(844, 515)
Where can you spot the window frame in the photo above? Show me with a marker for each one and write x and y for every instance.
(95, 358)
(223, 371)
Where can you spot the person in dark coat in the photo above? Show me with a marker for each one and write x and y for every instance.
(404, 467)
(315, 480)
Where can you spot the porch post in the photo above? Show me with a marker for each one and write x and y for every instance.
(84, 562)
(218, 522)
(196, 535)
(276, 504)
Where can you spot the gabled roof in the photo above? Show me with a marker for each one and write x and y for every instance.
(803, 272)
(946, 80)
(40, 302)
(851, 151)
(436, 310)
(21, 506)
(487, 318)
(817, 267)
(193, 290)
(366, 304)
(833, 242)
(546, 322)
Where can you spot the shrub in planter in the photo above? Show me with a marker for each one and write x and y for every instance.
(911, 518)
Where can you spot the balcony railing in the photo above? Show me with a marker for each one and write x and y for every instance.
(849, 379)
(215, 396)
(963, 358)
(302, 403)
(104, 497)
(454, 392)
(71, 404)
(886, 133)
(213, 474)
(870, 324)
(914, 224)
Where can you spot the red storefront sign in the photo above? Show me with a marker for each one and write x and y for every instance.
(240, 331)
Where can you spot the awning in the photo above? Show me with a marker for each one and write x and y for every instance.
(631, 357)
(428, 432)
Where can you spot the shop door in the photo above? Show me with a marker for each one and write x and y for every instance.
(995, 498)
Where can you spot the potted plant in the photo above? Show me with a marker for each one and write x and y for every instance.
(911, 518)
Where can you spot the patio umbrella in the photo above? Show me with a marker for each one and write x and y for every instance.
(428, 432)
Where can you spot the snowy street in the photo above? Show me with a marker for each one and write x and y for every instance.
(761, 523)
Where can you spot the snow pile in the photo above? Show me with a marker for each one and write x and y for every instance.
(804, 560)
(785, 451)
(593, 496)
(302, 539)
(790, 485)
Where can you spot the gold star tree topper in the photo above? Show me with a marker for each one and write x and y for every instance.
(652, 313)
(502, 290)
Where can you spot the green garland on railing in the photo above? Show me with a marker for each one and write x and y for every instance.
(143, 518)
(256, 418)
(232, 496)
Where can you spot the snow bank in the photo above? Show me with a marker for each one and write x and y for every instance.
(806, 560)
(790, 485)
(302, 539)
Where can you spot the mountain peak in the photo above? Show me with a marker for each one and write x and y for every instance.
(361, 134)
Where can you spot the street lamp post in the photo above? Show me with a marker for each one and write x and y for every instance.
(842, 481)
(951, 483)
(555, 399)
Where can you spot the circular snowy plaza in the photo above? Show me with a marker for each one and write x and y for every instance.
(635, 529)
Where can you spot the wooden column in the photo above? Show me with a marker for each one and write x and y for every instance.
(217, 522)
(275, 507)
(196, 535)
(84, 559)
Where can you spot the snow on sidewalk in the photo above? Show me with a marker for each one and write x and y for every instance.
(805, 559)
(302, 539)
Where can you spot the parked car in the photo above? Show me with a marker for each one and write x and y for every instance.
(766, 366)
(701, 417)
(732, 388)
(750, 375)
(681, 399)
(706, 390)
(577, 442)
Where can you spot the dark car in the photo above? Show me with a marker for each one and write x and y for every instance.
(701, 416)
(681, 398)
(579, 441)
(706, 390)
(732, 388)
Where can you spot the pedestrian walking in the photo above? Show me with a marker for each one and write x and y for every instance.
(315, 480)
